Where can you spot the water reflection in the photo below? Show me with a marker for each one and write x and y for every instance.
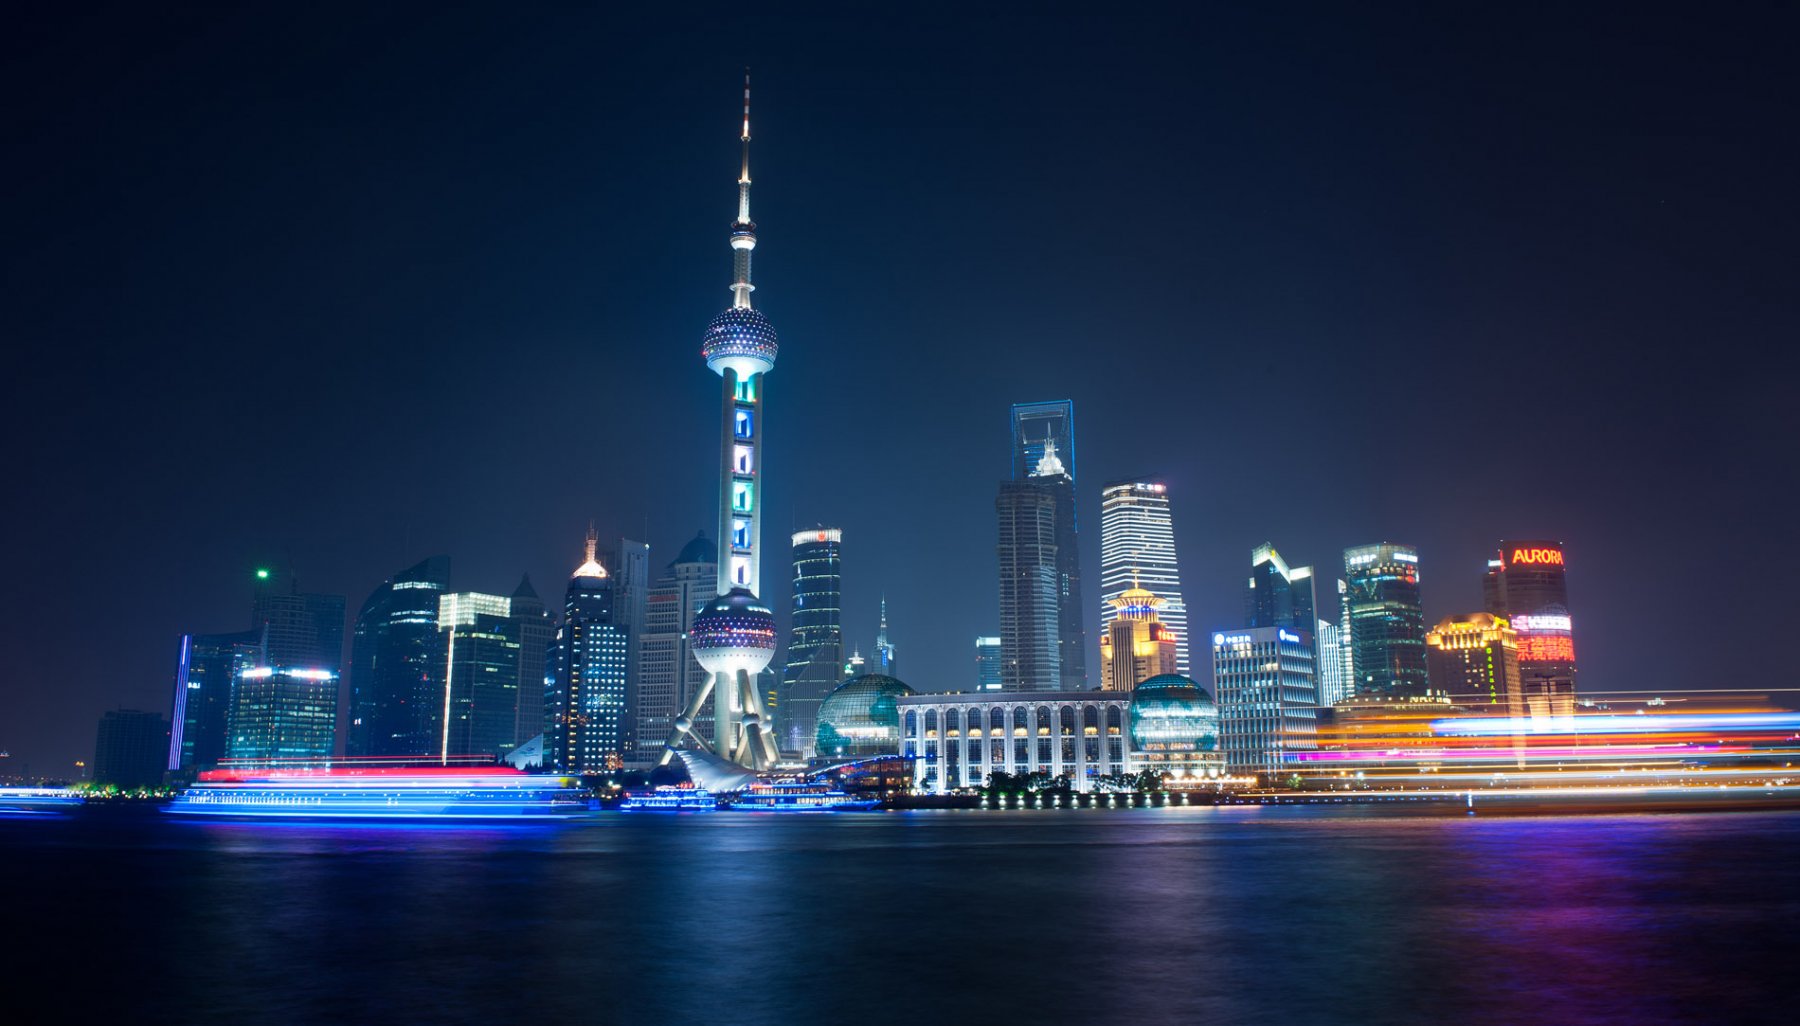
(1291, 915)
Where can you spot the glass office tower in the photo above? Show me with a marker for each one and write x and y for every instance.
(815, 651)
(1386, 621)
(394, 707)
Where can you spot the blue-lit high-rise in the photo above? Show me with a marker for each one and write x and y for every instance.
(733, 636)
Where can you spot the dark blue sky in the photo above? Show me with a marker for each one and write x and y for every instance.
(344, 288)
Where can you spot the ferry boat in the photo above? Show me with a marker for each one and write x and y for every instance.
(38, 801)
(454, 793)
(797, 797)
(671, 799)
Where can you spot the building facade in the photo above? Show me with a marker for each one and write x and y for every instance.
(1263, 681)
(957, 740)
(1526, 583)
(283, 713)
(1094, 738)
(395, 706)
(1030, 649)
(1386, 622)
(815, 651)
(1137, 550)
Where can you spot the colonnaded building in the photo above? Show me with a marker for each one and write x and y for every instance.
(1167, 724)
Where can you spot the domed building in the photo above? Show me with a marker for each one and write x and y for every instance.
(861, 718)
(1174, 726)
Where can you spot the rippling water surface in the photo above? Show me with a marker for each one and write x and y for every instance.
(1234, 915)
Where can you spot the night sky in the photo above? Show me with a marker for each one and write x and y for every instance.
(340, 289)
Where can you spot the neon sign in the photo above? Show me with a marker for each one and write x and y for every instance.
(1547, 648)
(1549, 557)
(1542, 622)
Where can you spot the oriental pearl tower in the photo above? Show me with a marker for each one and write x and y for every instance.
(733, 636)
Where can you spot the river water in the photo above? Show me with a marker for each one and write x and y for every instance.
(1239, 915)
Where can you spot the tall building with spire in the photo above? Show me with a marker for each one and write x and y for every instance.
(734, 636)
(1137, 550)
(588, 716)
(884, 649)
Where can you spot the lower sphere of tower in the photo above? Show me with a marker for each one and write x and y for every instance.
(733, 632)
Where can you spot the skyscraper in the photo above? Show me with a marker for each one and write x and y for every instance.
(815, 651)
(987, 664)
(1386, 621)
(1047, 430)
(208, 667)
(734, 635)
(631, 596)
(669, 675)
(1137, 549)
(1526, 583)
(1030, 653)
(394, 706)
(587, 711)
(1136, 646)
(1277, 595)
(287, 707)
(1475, 660)
(477, 668)
(130, 749)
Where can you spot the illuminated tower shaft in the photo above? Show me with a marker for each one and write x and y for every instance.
(733, 637)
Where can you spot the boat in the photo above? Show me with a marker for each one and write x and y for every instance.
(458, 793)
(796, 797)
(38, 801)
(670, 799)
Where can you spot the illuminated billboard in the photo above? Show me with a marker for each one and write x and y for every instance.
(1532, 554)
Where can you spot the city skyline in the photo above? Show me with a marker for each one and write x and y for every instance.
(340, 528)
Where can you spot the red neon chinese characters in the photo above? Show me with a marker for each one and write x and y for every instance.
(1546, 649)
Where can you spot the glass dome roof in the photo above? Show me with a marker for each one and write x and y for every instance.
(861, 717)
(1170, 712)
